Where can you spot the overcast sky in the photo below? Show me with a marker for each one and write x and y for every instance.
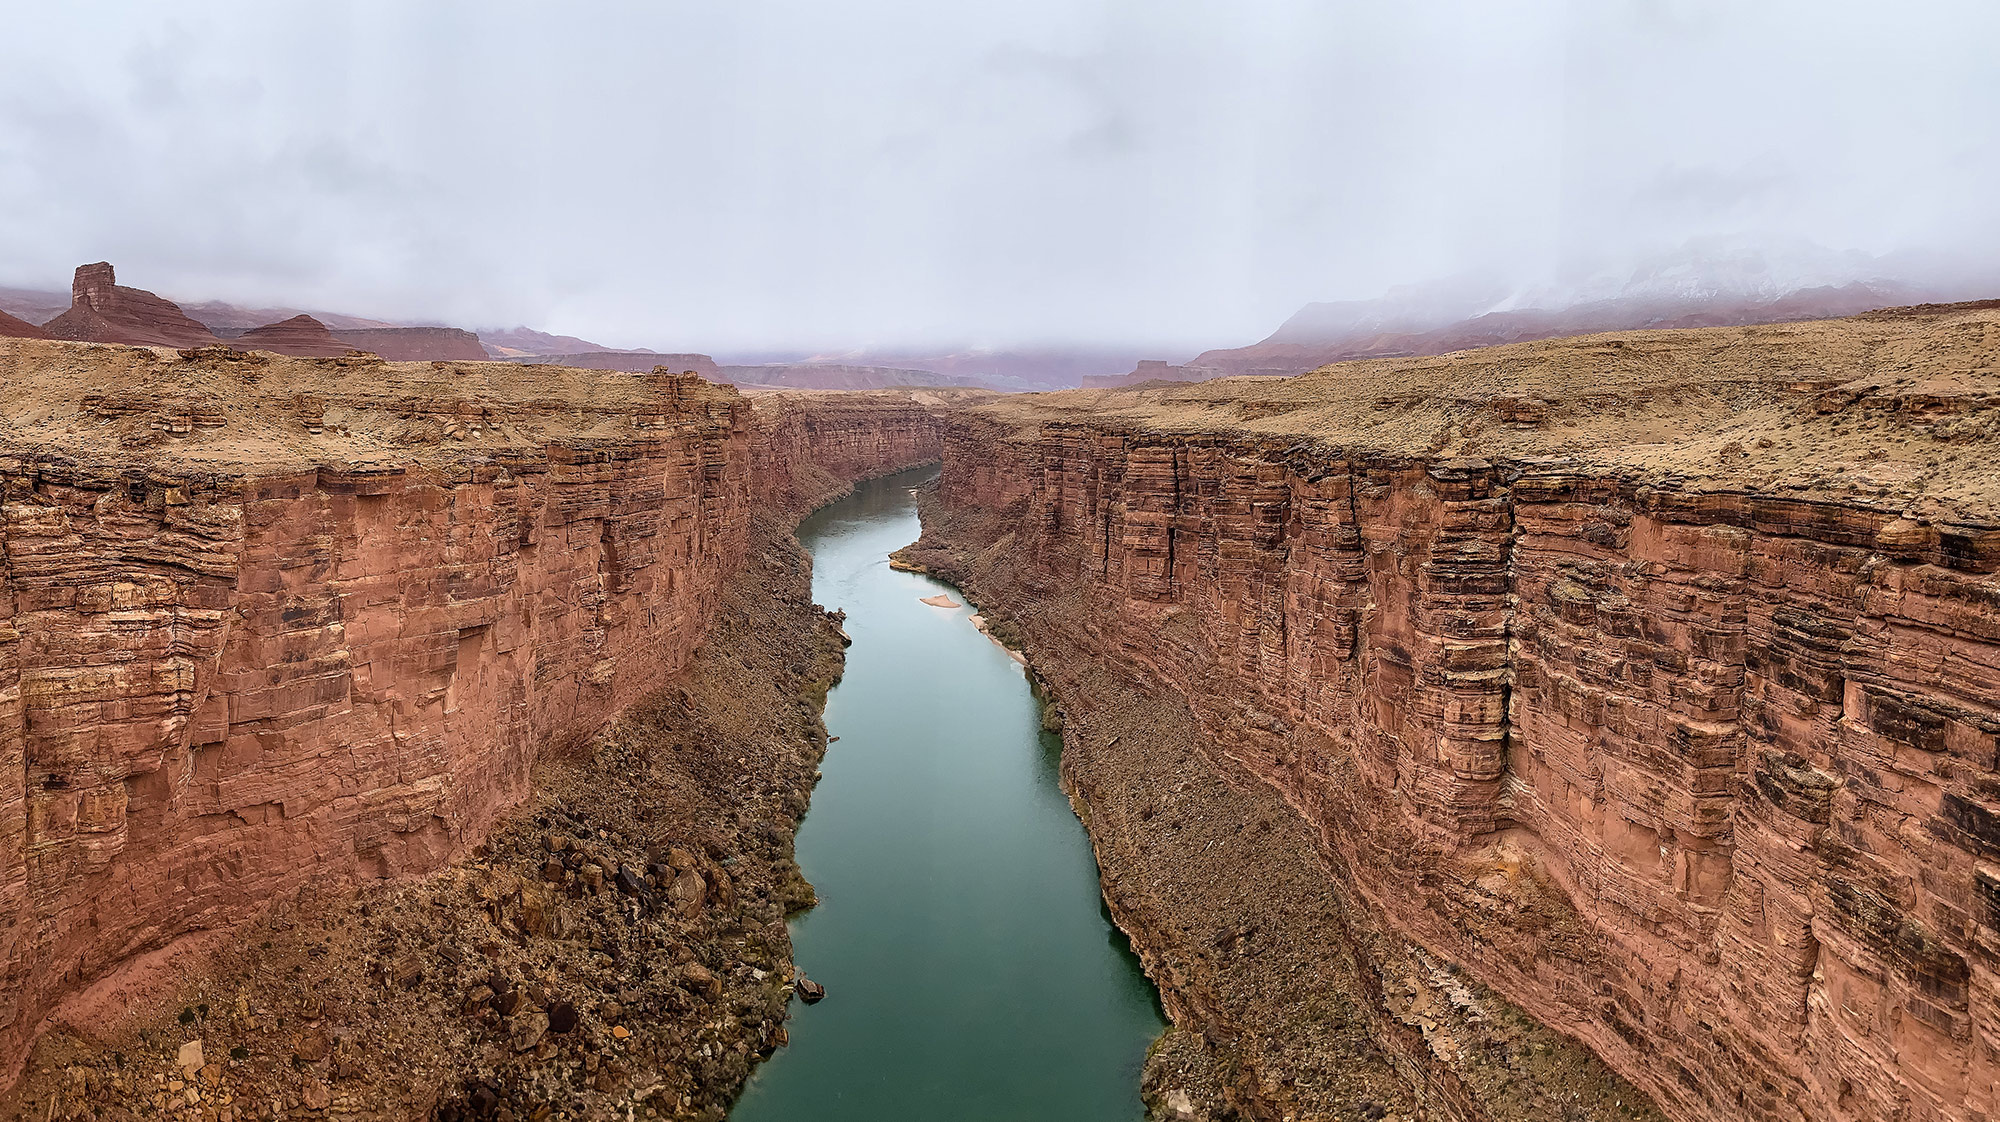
(731, 173)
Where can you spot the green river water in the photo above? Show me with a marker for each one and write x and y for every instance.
(971, 971)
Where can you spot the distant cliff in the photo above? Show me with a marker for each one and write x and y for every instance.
(415, 344)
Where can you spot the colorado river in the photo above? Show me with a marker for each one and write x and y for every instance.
(971, 972)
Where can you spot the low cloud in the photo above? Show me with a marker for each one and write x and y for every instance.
(1165, 172)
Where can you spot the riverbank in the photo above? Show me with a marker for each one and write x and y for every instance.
(1288, 999)
(618, 944)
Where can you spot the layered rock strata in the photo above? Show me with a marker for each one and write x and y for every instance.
(809, 448)
(270, 621)
(1654, 679)
(617, 945)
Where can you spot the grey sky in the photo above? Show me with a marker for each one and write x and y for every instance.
(726, 174)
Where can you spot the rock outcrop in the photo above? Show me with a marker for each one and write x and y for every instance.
(301, 336)
(268, 621)
(103, 311)
(1654, 679)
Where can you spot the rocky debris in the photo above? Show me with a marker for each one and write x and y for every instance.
(549, 976)
(103, 311)
(300, 335)
(810, 992)
(1683, 743)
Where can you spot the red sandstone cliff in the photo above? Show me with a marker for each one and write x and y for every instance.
(266, 621)
(807, 448)
(102, 311)
(1654, 678)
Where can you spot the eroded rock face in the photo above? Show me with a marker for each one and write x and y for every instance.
(103, 311)
(1701, 772)
(812, 446)
(321, 632)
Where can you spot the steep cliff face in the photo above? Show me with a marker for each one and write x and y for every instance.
(267, 621)
(807, 448)
(1655, 679)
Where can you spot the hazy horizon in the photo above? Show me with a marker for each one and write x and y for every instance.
(785, 177)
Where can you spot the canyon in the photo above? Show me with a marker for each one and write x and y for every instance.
(269, 623)
(1652, 679)
(1518, 733)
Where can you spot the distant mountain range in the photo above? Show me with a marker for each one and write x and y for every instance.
(1710, 283)
(98, 309)
(1703, 284)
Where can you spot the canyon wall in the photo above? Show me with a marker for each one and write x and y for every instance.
(270, 621)
(1655, 679)
(808, 448)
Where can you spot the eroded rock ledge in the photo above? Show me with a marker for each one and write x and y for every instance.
(1654, 679)
(268, 623)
